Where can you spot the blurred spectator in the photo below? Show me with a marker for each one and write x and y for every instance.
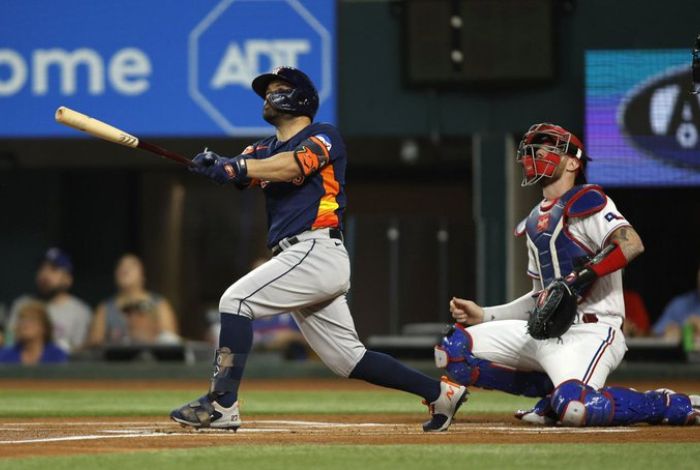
(681, 310)
(33, 338)
(274, 333)
(118, 320)
(280, 333)
(69, 315)
(143, 327)
(3, 320)
(636, 315)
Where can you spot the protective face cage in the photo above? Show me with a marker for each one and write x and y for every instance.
(301, 100)
(294, 101)
(555, 141)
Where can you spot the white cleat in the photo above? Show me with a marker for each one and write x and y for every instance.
(695, 403)
(205, 412)
(443, 410)
(539, 415)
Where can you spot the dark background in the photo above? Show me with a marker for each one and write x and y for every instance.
(98, 200)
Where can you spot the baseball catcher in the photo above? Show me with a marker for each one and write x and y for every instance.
(560, 341)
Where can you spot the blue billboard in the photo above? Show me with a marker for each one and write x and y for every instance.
(159, 67)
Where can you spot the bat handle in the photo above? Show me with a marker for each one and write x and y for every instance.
(176, 157)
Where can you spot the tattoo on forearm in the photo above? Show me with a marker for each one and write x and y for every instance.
(621, 235)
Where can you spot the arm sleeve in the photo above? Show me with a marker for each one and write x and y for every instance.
(518, 309)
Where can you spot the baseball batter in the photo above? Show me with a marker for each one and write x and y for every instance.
(301, 170)
(577, 243)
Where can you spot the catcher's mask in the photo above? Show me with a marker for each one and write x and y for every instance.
(556, 142)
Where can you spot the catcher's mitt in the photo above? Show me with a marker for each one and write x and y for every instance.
(554, 313)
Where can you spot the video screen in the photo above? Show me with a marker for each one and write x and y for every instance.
(642, 122)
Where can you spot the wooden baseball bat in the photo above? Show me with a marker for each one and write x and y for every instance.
(101, 130)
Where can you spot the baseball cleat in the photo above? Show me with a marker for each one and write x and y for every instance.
(541, 414)
(205, 412)
(695, 403)
(443, 410)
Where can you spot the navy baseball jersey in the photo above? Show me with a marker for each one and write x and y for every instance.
(314, 202)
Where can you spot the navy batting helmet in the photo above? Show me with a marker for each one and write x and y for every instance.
(302, 100)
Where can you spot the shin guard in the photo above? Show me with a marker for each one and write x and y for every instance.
(578, 404)
(226, 377)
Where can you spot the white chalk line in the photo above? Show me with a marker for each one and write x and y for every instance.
(316, 424)
(84, 423)
(88, 437)
(155, 423)
(93, 437)
(295, 425)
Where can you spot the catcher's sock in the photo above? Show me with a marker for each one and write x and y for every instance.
(237, 335)
(384, 370)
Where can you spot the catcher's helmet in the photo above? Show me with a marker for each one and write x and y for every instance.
(302, 100)
(557, 142)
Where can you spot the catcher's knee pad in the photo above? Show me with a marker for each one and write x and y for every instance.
(454, 354)
(577, 404)
(661, 406)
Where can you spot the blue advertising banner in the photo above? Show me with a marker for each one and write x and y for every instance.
(159, 67)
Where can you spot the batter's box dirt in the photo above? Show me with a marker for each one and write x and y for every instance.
(20, 438)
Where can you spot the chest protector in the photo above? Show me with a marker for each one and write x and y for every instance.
(558, 252)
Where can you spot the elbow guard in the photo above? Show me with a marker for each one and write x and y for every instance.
(311, 155)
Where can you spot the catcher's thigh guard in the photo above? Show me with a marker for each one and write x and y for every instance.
(454, 354)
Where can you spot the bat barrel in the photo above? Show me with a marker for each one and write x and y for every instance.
(96, 128)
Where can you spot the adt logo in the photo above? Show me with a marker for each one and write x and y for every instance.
(240, 39)
(663, 119)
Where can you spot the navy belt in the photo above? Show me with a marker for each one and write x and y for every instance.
(277, 249)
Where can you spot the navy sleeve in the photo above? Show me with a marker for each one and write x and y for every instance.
(330, 137)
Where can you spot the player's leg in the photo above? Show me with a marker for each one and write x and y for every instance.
(284, 283)
(493, 355)
(580, 362)
(330, 331)
(586, 352)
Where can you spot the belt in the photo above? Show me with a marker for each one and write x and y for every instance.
(287, 242)
(590, 318)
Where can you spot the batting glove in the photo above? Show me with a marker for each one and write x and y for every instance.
(223, 170)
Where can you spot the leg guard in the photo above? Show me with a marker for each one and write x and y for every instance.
(224, 379)
(577, 404)
(660, 406)
(454, 354)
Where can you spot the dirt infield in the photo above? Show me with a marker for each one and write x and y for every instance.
(62, 436)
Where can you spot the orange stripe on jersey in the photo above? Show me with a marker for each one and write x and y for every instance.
(326, 216)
